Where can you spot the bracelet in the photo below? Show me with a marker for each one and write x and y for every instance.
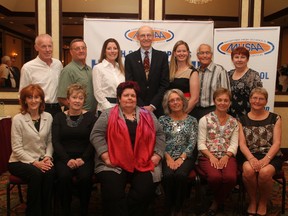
(269, 157)
(182, 158)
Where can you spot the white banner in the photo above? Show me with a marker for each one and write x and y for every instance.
(263, 44)
(166, 34)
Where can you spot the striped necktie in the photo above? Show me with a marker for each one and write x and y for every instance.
(146, 64)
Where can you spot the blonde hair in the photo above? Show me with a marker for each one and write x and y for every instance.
(173, 62)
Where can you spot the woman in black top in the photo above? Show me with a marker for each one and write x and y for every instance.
(74, 154)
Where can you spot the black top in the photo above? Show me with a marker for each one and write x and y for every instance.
(72, 142)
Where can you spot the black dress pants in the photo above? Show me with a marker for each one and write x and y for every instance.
(40, 187)
(134, 203)
(82, 185)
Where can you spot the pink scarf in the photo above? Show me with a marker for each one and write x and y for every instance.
(119, 143)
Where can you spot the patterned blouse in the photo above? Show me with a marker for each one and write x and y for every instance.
(259, 134)
(180, 135)
(241, 89)
(216, 138)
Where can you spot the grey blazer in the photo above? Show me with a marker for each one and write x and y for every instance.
(28, 145)
(98, 140)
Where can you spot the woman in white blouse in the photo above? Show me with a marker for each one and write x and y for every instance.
(108, 74)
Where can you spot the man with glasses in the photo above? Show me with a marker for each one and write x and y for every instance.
(211, 76)
(77, 71)
(149, 68)
(44, 71)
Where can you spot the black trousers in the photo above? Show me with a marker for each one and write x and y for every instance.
(82, 185)
(40, 187)
(134, 203)
(175, 184)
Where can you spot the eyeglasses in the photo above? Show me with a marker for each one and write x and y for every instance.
(203, 53)
(258, 98)
(176, 100)
(77, 49)
(146, 35)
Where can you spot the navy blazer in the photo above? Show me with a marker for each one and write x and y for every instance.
(153, 89)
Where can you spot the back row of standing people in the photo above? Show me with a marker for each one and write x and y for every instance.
(147, 66)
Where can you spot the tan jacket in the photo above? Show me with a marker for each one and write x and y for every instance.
(28, 145)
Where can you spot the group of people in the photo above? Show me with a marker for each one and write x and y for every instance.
(152, 123)
(9, 73)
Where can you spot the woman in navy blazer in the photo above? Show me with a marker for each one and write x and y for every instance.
(31, 157)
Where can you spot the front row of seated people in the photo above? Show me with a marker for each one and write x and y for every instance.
(132, 146)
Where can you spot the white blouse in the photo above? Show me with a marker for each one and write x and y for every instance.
(106, 78)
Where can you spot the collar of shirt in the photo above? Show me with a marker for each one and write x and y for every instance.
(109, 65)
(80, 66)
(208, 68)
(143, 53)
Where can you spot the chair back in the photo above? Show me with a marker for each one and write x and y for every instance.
(5, 143)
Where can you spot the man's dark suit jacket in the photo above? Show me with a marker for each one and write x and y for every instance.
(153, 89)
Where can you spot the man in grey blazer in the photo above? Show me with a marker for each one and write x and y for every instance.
(154, 80)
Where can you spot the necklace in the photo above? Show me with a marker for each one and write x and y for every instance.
(132, 118)
(75, 123)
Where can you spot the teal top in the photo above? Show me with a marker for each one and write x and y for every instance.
(76, 73)
(180, 135)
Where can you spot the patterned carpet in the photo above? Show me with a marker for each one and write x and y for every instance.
(231, 207)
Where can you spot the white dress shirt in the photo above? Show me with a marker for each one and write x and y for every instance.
(38, 72)
(106, 78)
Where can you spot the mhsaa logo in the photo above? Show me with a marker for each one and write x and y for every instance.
(160, 35)
(255, 47)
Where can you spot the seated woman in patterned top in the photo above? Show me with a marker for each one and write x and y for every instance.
(181, 136)
(260, 140)
(218, 143)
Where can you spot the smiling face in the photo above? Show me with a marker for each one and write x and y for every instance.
(111, 52)
(175, 103)
(128, 99)
(181, 53)
(78, 51)
(145, 37)
(257, 101)
(33, 102)
(222, 102)
(44, 47)
(204, 55)
(76, 100)
(240, 61)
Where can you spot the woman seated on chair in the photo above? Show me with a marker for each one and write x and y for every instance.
(31, 158)
(129, 144)
(73, 152)
(260, 140)
(181, 136)
(218, 143)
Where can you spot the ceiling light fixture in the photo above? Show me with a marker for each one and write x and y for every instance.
(198, 1)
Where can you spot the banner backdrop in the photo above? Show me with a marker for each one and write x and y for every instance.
(166, 34)
(263, 44)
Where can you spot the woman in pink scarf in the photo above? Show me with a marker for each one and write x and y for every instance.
(129, 144)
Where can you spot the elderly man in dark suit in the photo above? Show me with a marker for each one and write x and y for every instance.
(149, 68)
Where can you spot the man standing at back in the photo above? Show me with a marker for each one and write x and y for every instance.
(149, 68)
(44, 71)
(211, 76)
(77, 71)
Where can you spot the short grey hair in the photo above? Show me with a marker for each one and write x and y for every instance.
(5, 59)
(165, 102)
(259, 90)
